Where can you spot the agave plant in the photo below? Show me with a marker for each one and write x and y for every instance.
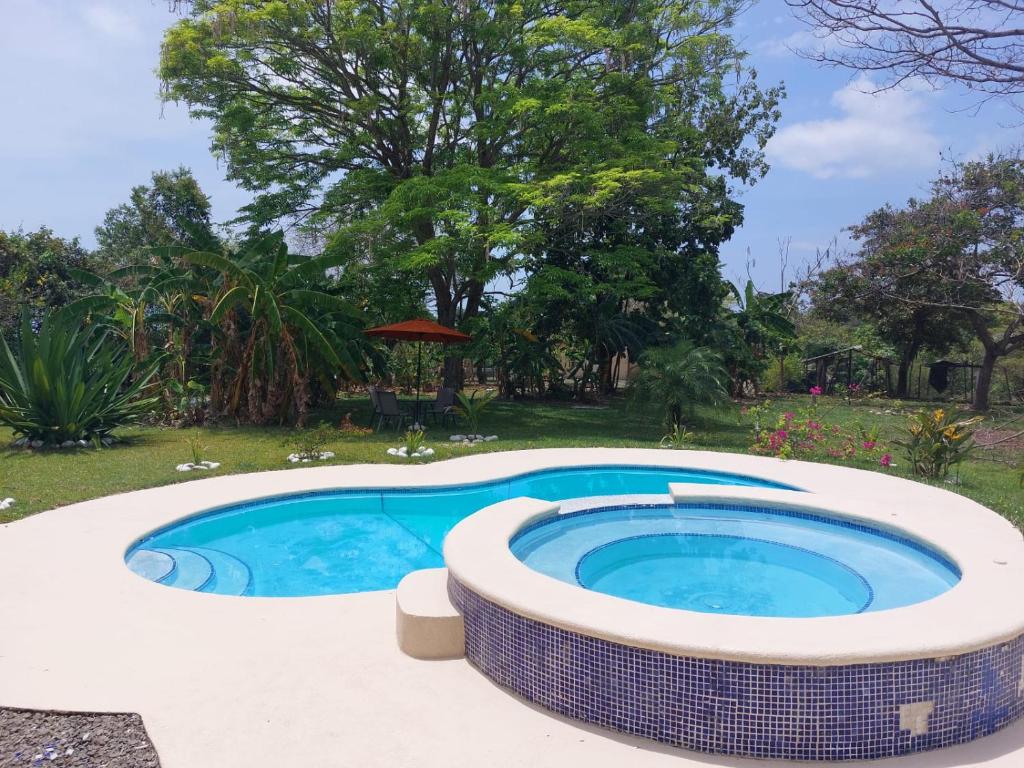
(68, 381)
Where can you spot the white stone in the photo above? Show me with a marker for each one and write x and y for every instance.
(490, 438)
(83, 443)
(37, 443)
(8, 502)
(211, 464)
(457, 438)
(67, 444)
(428, 451)
(392, 451)
(184, 467)
(327, 455)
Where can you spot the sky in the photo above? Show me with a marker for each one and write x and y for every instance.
(82, 122)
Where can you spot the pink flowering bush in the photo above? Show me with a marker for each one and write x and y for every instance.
(809, 435)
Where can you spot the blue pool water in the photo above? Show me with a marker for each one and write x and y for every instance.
(361, 540)
(735, 560)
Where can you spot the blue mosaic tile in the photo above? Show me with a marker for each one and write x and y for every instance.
(847, 712)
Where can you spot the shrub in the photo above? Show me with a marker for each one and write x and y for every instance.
(68, 381)
(680, 437)
(937, 441)
(472, 408)
(312, 443)
(679, 378)
(808, 435)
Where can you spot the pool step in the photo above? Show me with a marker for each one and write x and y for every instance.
(230, 575)
(150, 564)
(191, 569)
(199, 569)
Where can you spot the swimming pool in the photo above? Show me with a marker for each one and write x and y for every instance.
(739, 560)
(358, 540)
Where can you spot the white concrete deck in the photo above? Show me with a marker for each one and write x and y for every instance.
(262, 682)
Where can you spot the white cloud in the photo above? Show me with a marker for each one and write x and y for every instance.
(799, 40)
(877, 134)
(111, 22)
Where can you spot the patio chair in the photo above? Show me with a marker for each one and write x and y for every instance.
(442, 410)
(391, 411)
(375, 402)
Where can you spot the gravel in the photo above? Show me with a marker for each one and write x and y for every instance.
(74, 740)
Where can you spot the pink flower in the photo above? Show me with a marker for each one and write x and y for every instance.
(743, 410)
(855, 387)
(886, 460)
(789, 415)
(815, 390)
(813, 425)
(869, 445)
(782, 434)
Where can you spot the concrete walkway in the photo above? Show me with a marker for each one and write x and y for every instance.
(276, 683)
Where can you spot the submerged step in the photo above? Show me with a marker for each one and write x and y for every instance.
(150, 564)
(230, 575)
(192, 570)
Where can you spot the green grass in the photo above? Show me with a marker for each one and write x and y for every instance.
(148, 455)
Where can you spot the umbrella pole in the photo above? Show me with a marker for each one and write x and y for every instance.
(419, 371)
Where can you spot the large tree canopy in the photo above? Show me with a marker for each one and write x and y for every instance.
(433, 131)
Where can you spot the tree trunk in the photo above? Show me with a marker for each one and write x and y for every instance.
(903, 372)
(984, 384)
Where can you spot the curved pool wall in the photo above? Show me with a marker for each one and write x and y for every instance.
(363, 539)
(863, 686)
(766, 710)
(734, 559)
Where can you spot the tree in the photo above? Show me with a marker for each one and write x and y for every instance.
(37, 270)
(981, 203)
(436, 128)
(976, 43)
(882, 284)
(955, 258)
(173, 210)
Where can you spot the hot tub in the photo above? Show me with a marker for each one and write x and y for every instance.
(759, 622)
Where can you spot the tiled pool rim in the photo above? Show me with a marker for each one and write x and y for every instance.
(864, 686)
(835, 712)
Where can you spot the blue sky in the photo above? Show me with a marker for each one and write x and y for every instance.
(83, 123)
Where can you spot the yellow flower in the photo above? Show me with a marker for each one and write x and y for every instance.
(950, 432)
(938, 415)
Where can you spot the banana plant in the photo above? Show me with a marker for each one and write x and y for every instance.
(277, 330)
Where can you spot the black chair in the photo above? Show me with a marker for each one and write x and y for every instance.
(375, 402)
(390, 411)
(443, 410)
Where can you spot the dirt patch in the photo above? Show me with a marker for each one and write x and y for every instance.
(74, 740)
(1002, 440)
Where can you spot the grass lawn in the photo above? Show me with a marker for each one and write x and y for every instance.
(148, 456)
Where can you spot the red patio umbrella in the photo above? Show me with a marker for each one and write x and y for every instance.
(420, 331)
